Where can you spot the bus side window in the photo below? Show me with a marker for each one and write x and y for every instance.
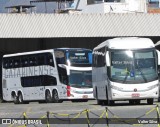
(41, 59)
(48, 80)
(29, 81)
(37, 81)
(50, 59)
(16, 62)
(10, 63)
(24, 61)
(32, 61)
(52, 80)
(5, 63)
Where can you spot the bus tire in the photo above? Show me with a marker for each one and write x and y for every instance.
(150, 101)
(137, 102)
(1, 100)
(56, 97)
(41, 102)
(48, 97)
(15, 99)
(131, 102)
(96, 93)
(85, 100)
(100, 102)
(110, 102)
(20, 98)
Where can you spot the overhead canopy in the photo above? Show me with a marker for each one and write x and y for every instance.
(78, 25)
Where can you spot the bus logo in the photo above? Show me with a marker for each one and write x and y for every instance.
(135, 90)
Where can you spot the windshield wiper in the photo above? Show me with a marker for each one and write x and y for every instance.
(125, 78)
(141, 73)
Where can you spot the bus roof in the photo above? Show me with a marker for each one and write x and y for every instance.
(72, 49)
(127, 43)
(43, 51)
(28, 53)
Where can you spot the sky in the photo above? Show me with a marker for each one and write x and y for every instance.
(2, 3)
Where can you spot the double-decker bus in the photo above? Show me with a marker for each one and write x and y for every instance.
(48, 75)
(125, 69)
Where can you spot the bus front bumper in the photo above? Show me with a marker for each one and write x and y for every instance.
(120, 95)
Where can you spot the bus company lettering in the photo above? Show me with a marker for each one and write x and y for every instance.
(76, 57)
(121, 62)
(28, 71)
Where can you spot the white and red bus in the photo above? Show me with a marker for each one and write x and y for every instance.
(48, 75)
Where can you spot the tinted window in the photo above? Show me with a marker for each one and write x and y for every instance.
(33, 61)
(28, 60)
(42, 80)
(24, 61)
(50, 59)
(16, 62)
(5, 63)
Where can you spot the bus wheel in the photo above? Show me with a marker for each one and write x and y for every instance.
(131, 102)
(110, 102)
(15, 99)
(48, 97)
(84, 100)
(20, 98)
(100, 102)
(56, 97)
(137, 102)
(150, 101)
(1, 100)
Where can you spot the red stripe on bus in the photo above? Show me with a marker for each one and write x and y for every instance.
(68, 91)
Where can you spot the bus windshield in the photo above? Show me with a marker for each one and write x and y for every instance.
(137, 66)
(80, 79)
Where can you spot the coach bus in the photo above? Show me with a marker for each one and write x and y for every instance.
(125, 69)
(158, 53)
(49, 75)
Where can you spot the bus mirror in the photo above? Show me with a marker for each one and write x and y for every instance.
(158, 73)
(158, 69)
(158, 54)
(68, 71)
(107, 58)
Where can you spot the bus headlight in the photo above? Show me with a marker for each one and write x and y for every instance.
(152, 87)
(116, 88)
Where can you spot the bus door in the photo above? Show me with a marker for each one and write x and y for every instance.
(6, 91)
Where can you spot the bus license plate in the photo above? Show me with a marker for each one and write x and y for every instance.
(85, 96)
(135, 95)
